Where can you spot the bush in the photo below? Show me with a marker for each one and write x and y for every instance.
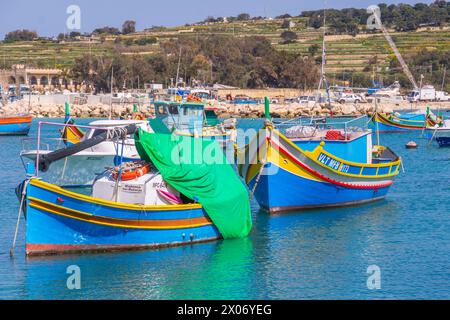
(289, 37)
(146, 41)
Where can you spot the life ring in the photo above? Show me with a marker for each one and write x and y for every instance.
(139, 116)
(193, 98)
(131, 170)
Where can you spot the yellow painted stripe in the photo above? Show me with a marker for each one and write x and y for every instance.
(72, 214)
(125, 206)
(282, 161)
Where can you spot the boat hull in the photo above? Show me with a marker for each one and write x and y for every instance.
(293, 179)
(443, 141)
(303, 193)
(15, 126)
(399, 124)
(60, 221)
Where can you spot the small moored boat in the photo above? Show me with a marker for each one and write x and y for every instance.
(15, 125)
(404, 123)
(153, 203)
(312, 167)
(441, 133)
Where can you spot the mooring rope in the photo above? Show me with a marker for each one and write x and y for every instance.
(24, 192)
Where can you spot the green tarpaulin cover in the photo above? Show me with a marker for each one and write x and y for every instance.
(186, 163)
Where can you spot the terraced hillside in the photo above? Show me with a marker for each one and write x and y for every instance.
(344, 52)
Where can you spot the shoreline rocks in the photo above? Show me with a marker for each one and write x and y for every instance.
(223, 110)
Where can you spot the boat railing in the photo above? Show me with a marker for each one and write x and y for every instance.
(307, 127)
(45, 141)
(45, 144)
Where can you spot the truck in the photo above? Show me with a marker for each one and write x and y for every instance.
(428, 93)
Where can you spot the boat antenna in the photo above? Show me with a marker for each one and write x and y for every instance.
(178, 67)
(323, 80)
(443, 78)
(29, 96)
(110, 100)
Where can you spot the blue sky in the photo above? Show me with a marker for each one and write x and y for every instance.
(48, 17)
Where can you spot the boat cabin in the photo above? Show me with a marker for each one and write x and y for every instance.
(185, 117)
(344, 139)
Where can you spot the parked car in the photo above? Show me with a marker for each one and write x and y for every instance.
(350, 98)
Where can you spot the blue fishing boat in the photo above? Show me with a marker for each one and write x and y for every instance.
(153, 203)
(405, 122)
(15, 125)
(61, 221)
(243, 99)
(440, 133)
(311, 167)
(443, 141)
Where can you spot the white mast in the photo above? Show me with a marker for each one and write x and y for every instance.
(110, 100)
(323, 80)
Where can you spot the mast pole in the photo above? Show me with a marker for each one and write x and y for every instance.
(110, 100)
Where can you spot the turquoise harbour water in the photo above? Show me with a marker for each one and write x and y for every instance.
(318, 254)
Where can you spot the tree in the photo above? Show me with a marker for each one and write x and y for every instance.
(251, 62)
(243, 17)
(284, 16)
(289, 37)
(21, 35)
(286, 24)
(313, 49)
(106, 30)
(128, 27)
(300, 73)
(74, 34)
(315, 22)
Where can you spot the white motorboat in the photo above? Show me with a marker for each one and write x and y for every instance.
(79, 168)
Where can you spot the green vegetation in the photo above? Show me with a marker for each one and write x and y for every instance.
(244, 62)
(354, 55)
(21, 35)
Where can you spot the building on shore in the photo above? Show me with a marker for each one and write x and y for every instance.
(37, 79)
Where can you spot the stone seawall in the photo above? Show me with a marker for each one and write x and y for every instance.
(224, 110)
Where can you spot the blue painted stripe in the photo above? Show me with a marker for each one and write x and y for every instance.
(15, 128)
(47, 228)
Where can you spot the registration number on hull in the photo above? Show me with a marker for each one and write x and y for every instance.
(332, 163)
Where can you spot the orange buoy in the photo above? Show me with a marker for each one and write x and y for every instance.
(411, 145)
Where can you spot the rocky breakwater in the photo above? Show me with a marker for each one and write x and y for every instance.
(298, 110)
(223, 109)
(77, 111)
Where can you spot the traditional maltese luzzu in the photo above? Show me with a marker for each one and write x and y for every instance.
(311, 167)
(158, 201)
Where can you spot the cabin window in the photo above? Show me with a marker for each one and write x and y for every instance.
(159, 109)
(173, 109)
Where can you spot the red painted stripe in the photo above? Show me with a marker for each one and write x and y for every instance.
(49, 249)
(325, 178)
(14, 120)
